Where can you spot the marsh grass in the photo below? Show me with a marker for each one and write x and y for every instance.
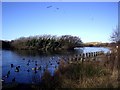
(75, 75)
(88, 74)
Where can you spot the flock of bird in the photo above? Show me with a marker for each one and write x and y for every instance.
(35, 67)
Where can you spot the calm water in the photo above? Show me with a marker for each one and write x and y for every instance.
(29, 60)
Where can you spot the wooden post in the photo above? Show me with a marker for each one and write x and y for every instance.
(83, 57)
(86, 55)
(94, 54)
(89, 54)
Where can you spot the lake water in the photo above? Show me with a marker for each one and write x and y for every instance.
(29, 60)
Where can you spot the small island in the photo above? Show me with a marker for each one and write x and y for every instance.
(44, 43)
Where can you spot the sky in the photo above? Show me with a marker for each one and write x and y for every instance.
(91, 21)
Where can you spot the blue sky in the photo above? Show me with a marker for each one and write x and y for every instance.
(89, 20)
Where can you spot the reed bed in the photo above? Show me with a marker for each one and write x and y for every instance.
(99, 73)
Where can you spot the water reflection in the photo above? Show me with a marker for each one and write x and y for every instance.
(41, 53)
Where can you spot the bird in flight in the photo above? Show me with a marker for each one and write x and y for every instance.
(57, 8)
(48, 6)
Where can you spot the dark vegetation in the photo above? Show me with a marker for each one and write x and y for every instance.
(115, 36)
(44, 43)
(5, 44)
(48, 43)
(97, 45)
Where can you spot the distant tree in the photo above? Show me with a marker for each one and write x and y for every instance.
(5, 44)
(115, 37)
(69, 42)
(47, 42)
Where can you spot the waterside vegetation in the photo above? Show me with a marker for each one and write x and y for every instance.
(44, 43)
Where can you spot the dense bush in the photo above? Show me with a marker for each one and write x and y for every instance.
(5, 44)
(47, 43)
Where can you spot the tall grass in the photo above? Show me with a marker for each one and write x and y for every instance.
(92, 74)
(74, 75)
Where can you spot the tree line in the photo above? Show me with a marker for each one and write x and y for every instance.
(44, 43)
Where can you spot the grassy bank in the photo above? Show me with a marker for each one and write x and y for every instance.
(100, 73)
(80, 75)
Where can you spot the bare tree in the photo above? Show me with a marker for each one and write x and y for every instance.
(115, 37)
